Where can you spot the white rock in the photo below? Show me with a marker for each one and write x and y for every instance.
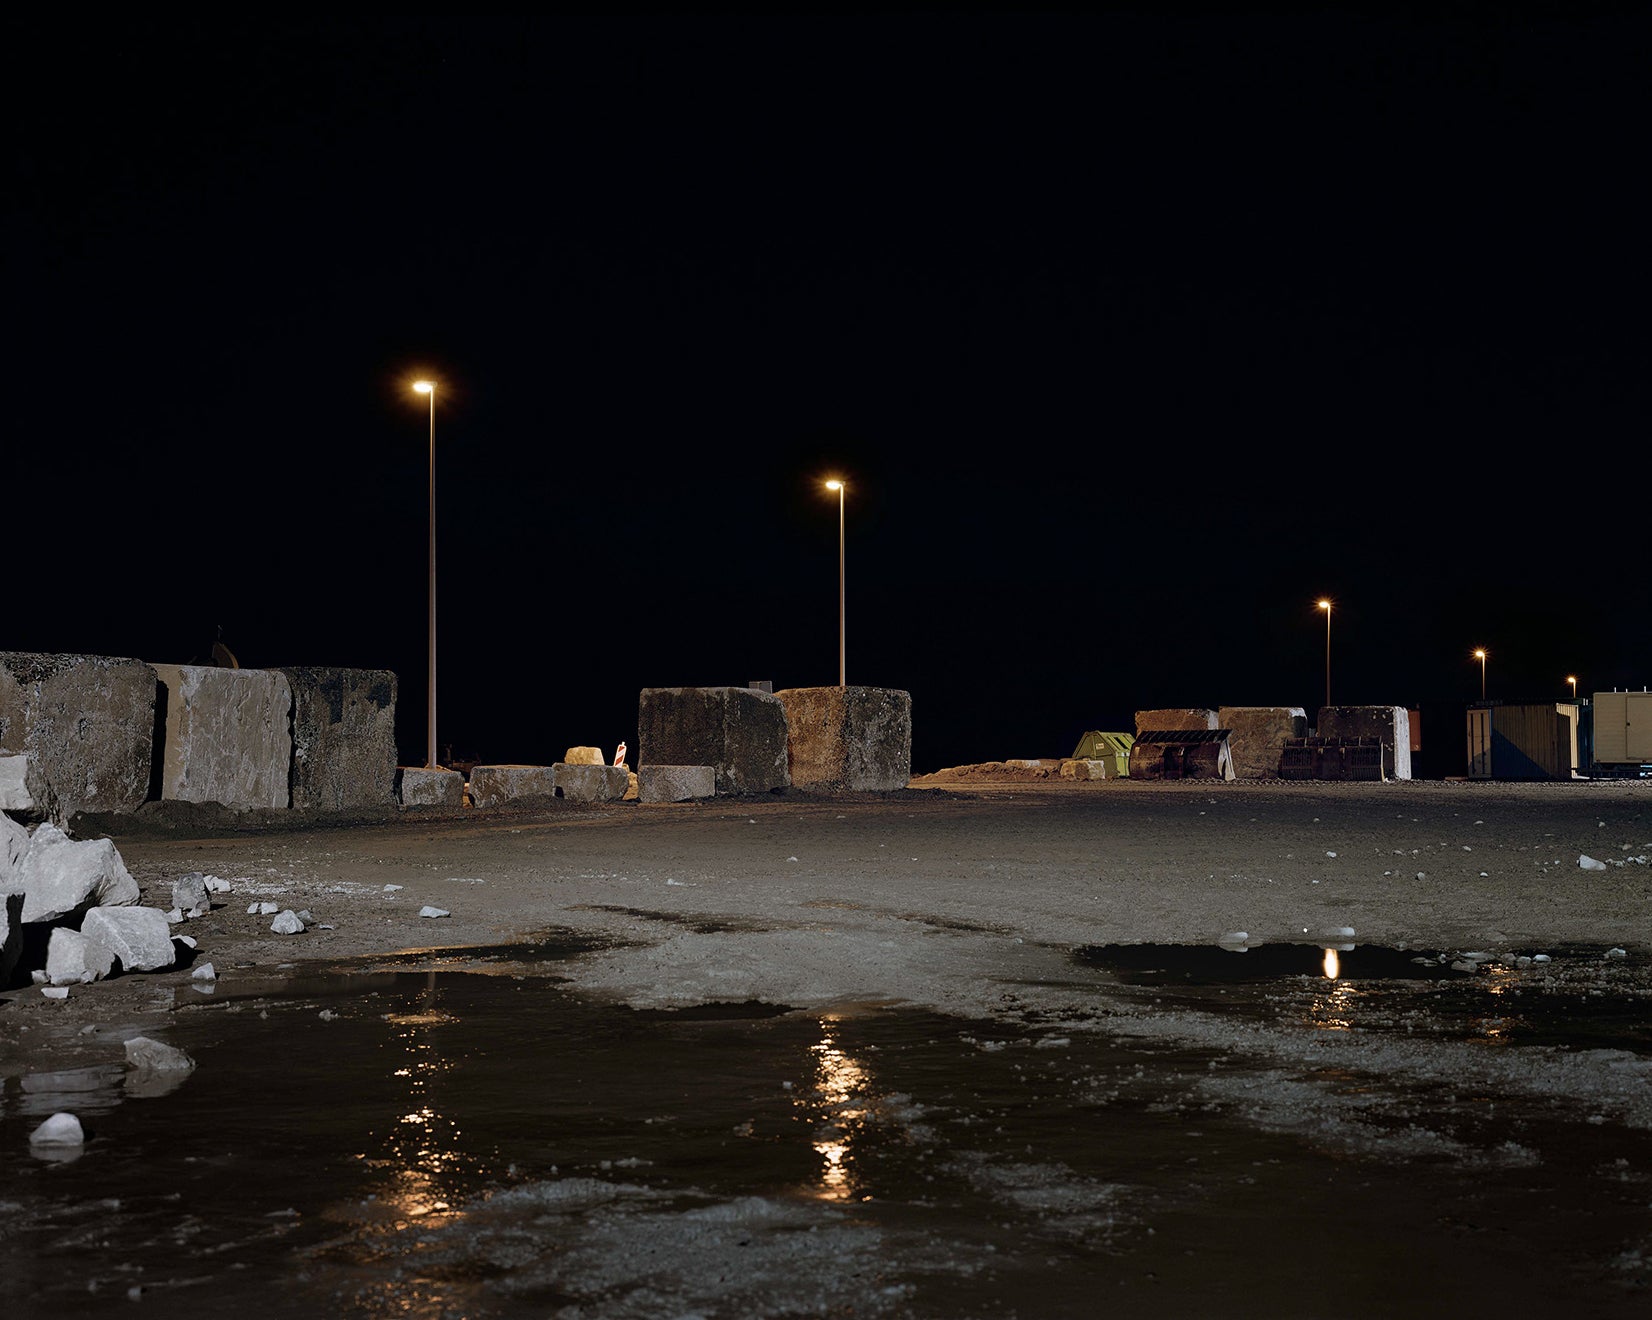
(216, 886)
(263, 909)
(205, 972)
(59, 1130)
(55, 991)
(1588, 863)
(61, 875)
(428, 911)
(72, 959)
(142, 1052)
(138, 936)
(287, 924)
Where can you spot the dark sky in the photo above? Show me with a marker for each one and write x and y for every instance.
(1133, 333)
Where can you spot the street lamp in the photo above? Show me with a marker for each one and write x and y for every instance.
(1480, 655)
(429, 387)
(1326, 606)
(842, 680)
(1573, 681)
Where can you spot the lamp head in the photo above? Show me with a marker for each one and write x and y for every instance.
(834, 485)
(424, 386)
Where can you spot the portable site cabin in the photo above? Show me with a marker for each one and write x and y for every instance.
(1525, 742)
(1619, 737)
(1113, 749)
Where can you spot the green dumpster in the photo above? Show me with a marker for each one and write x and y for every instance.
(1113, 748)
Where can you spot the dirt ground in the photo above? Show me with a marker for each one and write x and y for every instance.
(968, 892)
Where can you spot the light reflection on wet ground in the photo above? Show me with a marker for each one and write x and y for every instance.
(433, 1143)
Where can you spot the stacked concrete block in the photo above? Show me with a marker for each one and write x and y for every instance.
(675, 783)
(419, 787)
(1390, 724)
(343, 737)
(495, 785)
(855, 739)
(86, 723)
(1257, 734)
(1181, 718)
(592, 783)
(226, 736)
(739, 732)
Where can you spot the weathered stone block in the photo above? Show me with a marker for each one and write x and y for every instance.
(1256, 736)
(14, 784)
(226, 735)
(739, 732)
(86, 724)
(495, 785)
(139, 937)
(1392, 724)
(584, 756)
(592, 783)
(344, 737)
(675, 783)
(418, 787)
(854, 739)
(1083, 770)
(61, 876)
(1175, 718)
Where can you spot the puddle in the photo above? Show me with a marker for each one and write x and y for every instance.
(435, 1143)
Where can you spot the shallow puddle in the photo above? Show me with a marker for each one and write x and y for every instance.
(437, 1143)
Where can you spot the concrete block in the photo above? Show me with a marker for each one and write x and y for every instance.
(675, 783)
(226, 735)
(584, 756)
(1391, 724)
(1083, 770)
(139, 937)
(418, 787)
(344, 737)
(1256, 736)
(495, 785)
(739, 732)
(1180, 718)
(61, 876)
(592, 783)
(848, 739)
(86, 724)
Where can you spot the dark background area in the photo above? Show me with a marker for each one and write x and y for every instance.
(1133, 333)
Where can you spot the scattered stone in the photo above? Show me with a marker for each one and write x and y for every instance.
(55, 991)
(262, 909)
(189, 894)
(138, 936)
(62, 877)
(1588, 863)
(144, 1053)
(205, 972)
(428, 911)
(287, 923)
(214, 885)
(73, 959)
(59, 1130)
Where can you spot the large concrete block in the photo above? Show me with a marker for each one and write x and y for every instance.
(495, 785)
(1180, 718)
(739, 732)
(419, 787)
(855, 739)
(226, 735)
(1392, 724)
(1256, 736)
(592, 783)
(86, 724)
(675, 783)
(344, 737)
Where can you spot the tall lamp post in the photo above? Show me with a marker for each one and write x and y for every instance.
(428, 387)
(1480, 655)
(842, 654)
(1573, 681)
(1326, 606)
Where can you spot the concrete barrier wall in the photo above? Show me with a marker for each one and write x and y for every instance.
(226, 736)
(344, 737)
(86, 723)
(857, 739)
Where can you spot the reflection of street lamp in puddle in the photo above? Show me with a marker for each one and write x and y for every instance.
(423, 1147)
(839, 1086)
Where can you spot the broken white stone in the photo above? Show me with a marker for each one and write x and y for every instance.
(262, 909)
(61, 875)
(428, 911)
(187, 940)
(190, 892)
(72, 959)
(390, 889)
(1588, 863)
(215, 885)
(59, 1130)
(55, 991)
(138, 936)
(142, 1052)
(287, 923)
(205, 972)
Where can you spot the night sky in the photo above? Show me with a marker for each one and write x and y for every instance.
(1132, 332)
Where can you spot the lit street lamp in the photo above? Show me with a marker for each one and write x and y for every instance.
(1573, 681)
(1480, 655)
(429, 387)
(842, 680)
(1326, 606)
